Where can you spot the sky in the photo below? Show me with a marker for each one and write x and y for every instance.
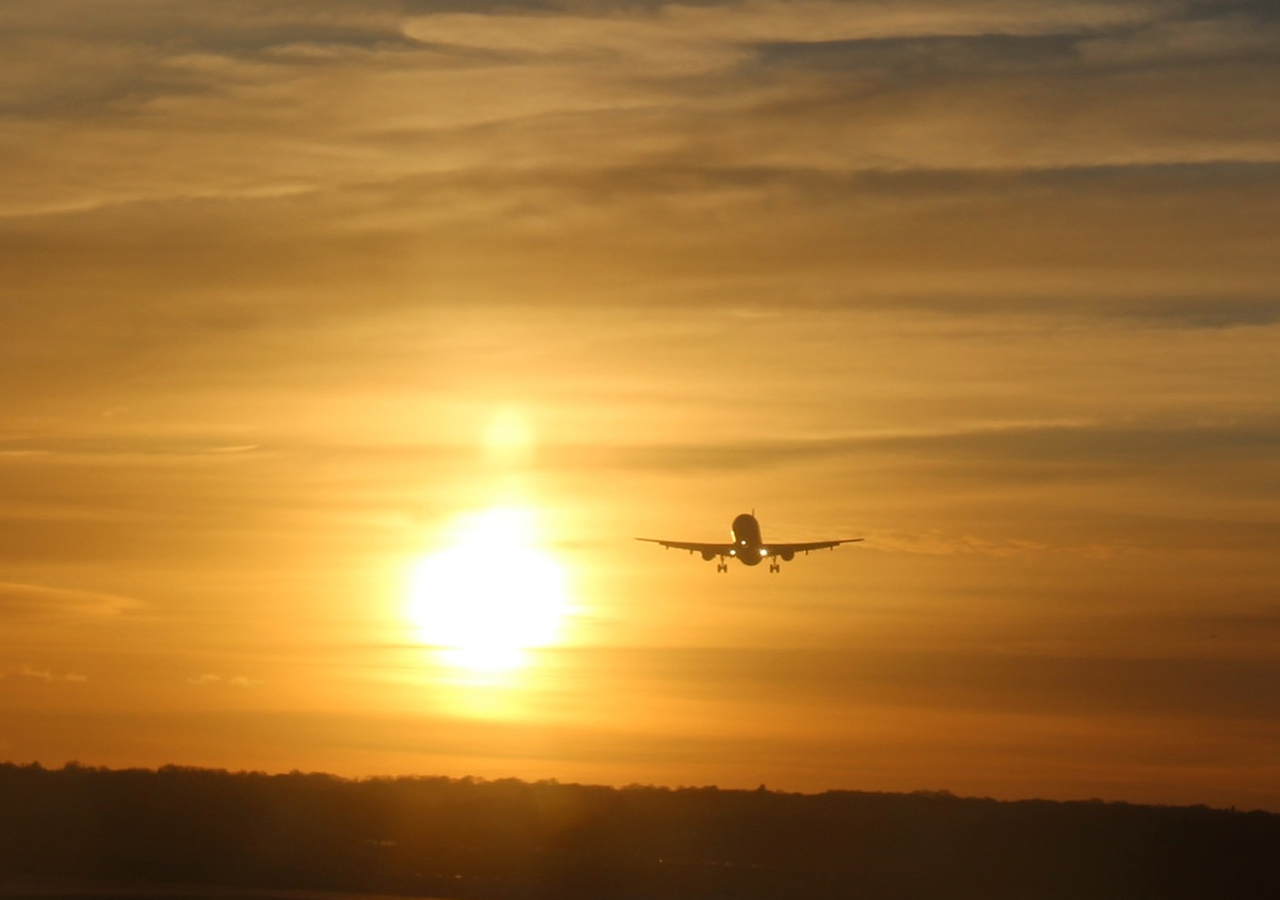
(346, 346)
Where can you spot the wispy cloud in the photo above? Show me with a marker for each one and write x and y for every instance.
(47, 675)
(42, 601)
(211, 679)
(162, 102)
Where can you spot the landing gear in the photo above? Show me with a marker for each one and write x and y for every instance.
(775, 566)
(722, 566)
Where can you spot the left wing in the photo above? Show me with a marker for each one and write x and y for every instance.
(784, 549)
(707, 550)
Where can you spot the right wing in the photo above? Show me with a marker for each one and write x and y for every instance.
(708, 551)
(780, 549)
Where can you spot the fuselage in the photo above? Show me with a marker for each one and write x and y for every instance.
(748, 547)
(747, 542)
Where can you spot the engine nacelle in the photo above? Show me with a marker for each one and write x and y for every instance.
(708, 555)
(788, 555)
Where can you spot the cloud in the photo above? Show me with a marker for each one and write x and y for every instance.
(1238, 32)
(41, 601)
(48, 676)
(185, 176)
(162, 98)
(956, 679)
(210, 679)
(678, 39)
(1078, 447)
(1111, 241)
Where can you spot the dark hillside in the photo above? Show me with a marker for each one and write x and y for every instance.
(509, 840)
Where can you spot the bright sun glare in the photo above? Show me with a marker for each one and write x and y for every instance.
(491, 594)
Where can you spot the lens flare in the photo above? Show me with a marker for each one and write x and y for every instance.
(508, 439)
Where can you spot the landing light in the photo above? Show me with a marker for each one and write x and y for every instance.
(764, 552)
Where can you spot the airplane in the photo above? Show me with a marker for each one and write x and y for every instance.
(748, 547)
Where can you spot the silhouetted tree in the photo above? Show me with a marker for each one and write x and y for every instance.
(512, 840)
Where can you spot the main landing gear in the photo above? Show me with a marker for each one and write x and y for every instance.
(775, 565)
(722, 566)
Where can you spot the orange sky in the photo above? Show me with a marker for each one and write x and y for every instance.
(294, 294)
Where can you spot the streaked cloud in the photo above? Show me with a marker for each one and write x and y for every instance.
(161, 102)
(211, 679)
(41, 601)
(47, 676)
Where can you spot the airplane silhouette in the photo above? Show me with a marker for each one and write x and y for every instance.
(748, 547)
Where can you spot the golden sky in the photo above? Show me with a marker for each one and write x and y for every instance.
(320, 320)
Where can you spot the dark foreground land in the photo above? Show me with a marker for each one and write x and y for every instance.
(100, 833)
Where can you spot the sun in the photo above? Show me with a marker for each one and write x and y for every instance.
(491, 594)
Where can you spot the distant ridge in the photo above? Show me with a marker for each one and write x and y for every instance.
(513, 840)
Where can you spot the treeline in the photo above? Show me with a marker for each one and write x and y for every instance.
(511, 840)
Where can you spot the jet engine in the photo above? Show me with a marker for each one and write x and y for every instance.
(788, 555)
(708, 555)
